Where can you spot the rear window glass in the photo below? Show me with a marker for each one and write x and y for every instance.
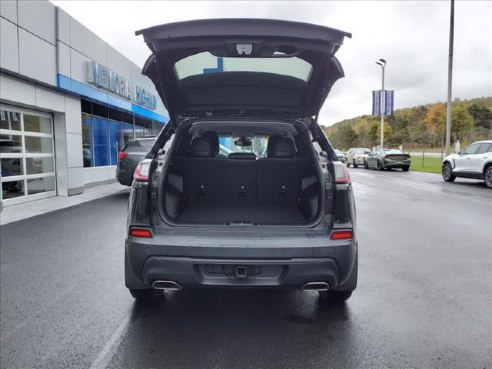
(362, 151)
(205, 62)
(231, 144)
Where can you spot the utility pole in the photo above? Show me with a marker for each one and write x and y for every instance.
(450, 80)
(382, 64)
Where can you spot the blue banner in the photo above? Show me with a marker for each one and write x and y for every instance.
(389, 102)
(376, 102)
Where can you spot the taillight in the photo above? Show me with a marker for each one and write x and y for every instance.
(121, 155)
(341, 235)
(141, 232)
(342, 175)
(142, 170)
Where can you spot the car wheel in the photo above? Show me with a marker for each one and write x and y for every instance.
(145, 295)
(488, 177)
(354, 164)
(447, 173)
(348, 164)
(405, 169)
(378, 165)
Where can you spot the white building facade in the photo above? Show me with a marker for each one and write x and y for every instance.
(68, 103)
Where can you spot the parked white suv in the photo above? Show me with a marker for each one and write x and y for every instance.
(475, 161)
(357, 156)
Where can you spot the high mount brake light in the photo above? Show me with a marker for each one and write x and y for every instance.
(342, 175)
(341, 235)
(142, 170)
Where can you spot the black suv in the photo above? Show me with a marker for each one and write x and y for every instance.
(129, 156)
(242, 188)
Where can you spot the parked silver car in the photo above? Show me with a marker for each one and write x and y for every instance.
(357, 156)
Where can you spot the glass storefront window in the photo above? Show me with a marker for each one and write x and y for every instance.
(101, 141)
(38, 144)
(26, 152)
(34, 123)
(105, 131)
(13, 189)
(10, 120)
(38, 185)
(10, 144)
(39, 165)
(87, 140)
(11, 167)
(119, 135)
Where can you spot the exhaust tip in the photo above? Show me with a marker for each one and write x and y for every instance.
(316, 286)
(166, 285)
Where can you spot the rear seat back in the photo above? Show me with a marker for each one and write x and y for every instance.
(279, 175)
(240, 179)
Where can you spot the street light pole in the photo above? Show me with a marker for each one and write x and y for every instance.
(382, 64)
(450, 80)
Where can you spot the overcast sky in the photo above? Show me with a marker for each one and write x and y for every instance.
(412, 36)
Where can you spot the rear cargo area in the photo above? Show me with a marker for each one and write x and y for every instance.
(231, 191)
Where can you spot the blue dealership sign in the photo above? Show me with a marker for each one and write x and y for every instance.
(376, 102)
(389, 102)
(386, 105)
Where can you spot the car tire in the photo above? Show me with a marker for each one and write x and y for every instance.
(348, 164)
(379, 166)
(355, 164)
(488, 177)
(447, 173)
(146, 295)
(405, 169)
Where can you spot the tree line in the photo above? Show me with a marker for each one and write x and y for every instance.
(417, 127)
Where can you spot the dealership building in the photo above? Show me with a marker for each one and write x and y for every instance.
(68, 103)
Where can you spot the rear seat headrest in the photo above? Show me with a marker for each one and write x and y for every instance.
(280, 147)
(213, 137)
(203, 148)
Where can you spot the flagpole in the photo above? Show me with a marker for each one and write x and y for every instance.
(450, 80)
(382, 64)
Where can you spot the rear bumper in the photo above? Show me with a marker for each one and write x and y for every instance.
(124, 177)
(289, 266)
(188, 272)
(396, 165)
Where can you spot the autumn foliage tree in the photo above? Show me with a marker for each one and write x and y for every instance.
(435, 122)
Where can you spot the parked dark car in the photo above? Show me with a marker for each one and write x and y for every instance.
(130, 156)
(199, 219)
(388, 159)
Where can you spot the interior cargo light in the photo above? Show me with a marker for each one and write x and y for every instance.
(341, 235)
(140, 232)
(142, 170)
(342, 174)
(121, 155)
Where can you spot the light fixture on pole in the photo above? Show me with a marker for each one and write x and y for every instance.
(382, 64)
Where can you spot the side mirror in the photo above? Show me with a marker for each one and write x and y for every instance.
(460, 153)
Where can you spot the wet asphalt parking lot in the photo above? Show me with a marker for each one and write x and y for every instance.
(424, 298)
